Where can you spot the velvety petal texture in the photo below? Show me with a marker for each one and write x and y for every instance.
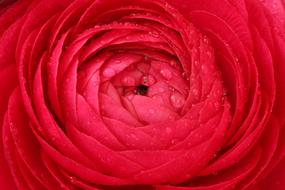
(144, 94)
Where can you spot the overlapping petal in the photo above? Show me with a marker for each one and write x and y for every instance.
(112, 94)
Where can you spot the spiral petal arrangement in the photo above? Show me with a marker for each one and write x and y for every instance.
(121, 94)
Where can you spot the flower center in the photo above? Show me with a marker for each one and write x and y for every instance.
(146, 75)
(142, 90)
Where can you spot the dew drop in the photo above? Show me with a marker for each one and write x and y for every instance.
(144, 80)
(62, 186)
(108, 72)
(128, 81)
(126, 23)
(195, 92)
(154, 34)
(237, 59)
(185, 76)
(161, 90)
(167, 74)
(151, 80)
(177, 100)
(130, 96)
(148, 14)
(173, 63)
(72, 179)
(206, 40)
(168, 130)
(209, 54)
(148, 80)
(118, 61)
(173, 141)
(215, 155)
(171, 89)
(274, 5)
(134, 137)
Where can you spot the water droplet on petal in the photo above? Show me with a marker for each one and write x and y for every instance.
(209, 54)
(173, 63)
(128, 81)
(144, 80)
(134, 137)
(148, 80)
(72, 179)
(151, 80)
(160, 89)
(173, 141)
(177, 100)
(167, 74)
(118, 61)
(195, 92)
(171, 89)
(237, 59)
(274, 5)
(126, 23)
(154, 34)
(130, 96)
(168, 130)
(62, 186)
(108, 72)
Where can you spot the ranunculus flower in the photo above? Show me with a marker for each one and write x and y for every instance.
(142, 94)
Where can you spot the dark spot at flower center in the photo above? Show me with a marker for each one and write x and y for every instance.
(141, 90)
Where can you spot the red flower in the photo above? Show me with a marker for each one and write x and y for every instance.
(121, 94)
